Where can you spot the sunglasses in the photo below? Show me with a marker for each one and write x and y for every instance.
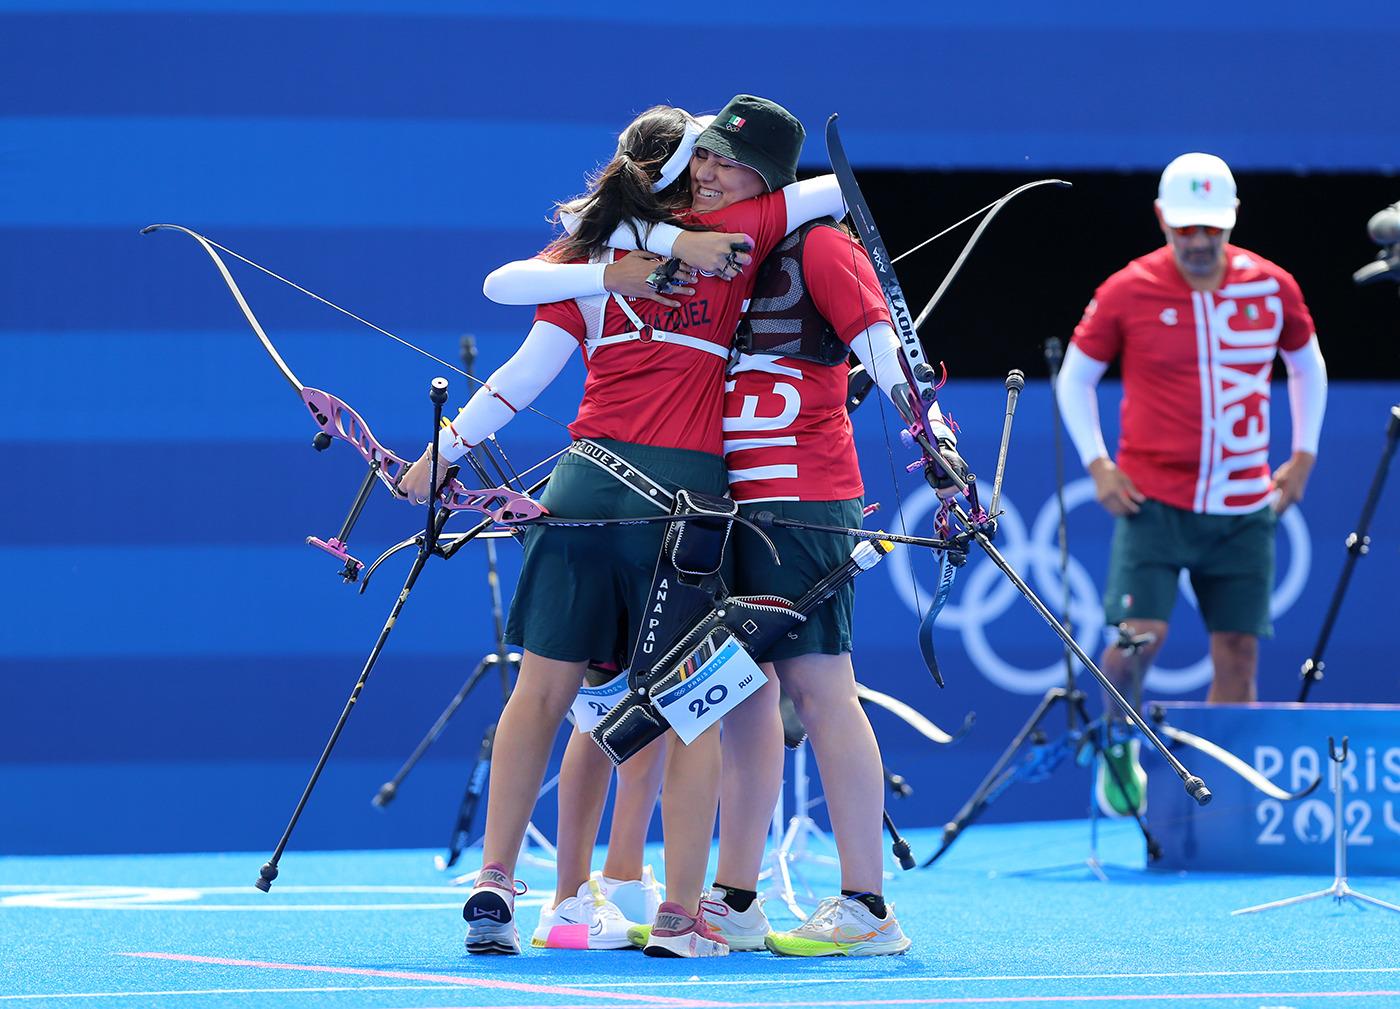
(1190, 230)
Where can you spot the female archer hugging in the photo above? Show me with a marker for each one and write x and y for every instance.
(789, 450)
(654, 399)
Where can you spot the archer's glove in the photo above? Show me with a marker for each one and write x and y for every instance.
(934, 474)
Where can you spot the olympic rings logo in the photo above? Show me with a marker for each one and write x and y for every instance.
(983, 593)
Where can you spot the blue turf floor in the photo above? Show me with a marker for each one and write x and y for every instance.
(994, 923)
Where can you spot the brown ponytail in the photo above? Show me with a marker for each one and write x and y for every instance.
(621, 189)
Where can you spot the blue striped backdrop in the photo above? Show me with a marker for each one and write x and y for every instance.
(171, 656)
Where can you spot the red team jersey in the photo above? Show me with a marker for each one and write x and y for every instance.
(1196, 370)
(787, 435)
(652, 392)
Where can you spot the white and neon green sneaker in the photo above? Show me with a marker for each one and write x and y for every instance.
(842, 926)
(637, 899)
(587, 920)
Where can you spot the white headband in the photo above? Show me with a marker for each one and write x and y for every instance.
(675, 164)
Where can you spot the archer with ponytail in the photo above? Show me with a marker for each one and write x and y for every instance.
(653, 398)
(623, 192)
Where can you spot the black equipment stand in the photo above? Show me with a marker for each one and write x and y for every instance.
(1054, 356)
(1358, 544)
(504, 662)
(426, 548)
(1084, 737)
(507, 664)
(1038, 761)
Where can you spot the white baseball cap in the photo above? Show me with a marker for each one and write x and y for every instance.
(1197, 189)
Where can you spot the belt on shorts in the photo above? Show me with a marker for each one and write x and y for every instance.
(625, 473)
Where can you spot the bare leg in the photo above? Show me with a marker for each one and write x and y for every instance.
(1126, 672)
(583, 791)
(524, 737)
(638, 785)
(823, 688)
(753, 777)
(688, 804)
(1236, 659)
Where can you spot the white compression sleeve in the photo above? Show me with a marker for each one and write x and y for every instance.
(1076, 391)
(539, 282)
(812, 198)
(511, 388)
(1307, 394)
(877, 348)
(806, 201)
(657, 238)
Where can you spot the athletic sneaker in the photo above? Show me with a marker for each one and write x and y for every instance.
(676, 933)
(637, 899)
(842, 926)
(490, 912)
(1121, 791)
(744, 931)
(587, 920)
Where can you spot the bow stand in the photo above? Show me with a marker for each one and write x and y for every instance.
(967, 521)
(504, 661)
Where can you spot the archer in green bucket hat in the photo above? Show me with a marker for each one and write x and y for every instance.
(758, 134)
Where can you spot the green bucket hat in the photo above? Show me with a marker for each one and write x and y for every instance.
(758, 134)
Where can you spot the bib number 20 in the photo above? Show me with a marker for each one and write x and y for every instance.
(700, 706)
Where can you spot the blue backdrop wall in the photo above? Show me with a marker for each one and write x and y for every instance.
(172, 657)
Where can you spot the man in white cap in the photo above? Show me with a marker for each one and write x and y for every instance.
(1195, 326)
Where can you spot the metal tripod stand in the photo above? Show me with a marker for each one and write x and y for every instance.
(1083, 737)
(1340, 889)
(790, 843)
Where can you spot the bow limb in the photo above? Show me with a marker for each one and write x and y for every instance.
(337, 419)
(972, 241)
(222, 267)
(913, 718)
(1233, 762)
(919, 390)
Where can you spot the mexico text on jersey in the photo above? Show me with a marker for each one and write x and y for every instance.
(1196, 373)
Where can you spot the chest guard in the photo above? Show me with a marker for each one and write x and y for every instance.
(782, 319)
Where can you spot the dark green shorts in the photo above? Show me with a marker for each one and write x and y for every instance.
(1230, 559)
(581, 591)
(807, 558)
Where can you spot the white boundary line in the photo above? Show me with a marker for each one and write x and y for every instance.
(290, 888)
(240, 991)
(718, 982)
(98, 897)
(953, 978)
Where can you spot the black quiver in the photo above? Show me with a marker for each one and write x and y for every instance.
(756, 622)
(684, 587)
(688, 612)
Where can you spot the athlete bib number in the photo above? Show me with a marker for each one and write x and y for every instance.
(592, 703)
(728, 677)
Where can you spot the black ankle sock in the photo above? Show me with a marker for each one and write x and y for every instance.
(874, 901)
(739, 900)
